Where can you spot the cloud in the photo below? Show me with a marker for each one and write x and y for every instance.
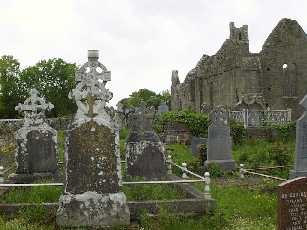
(140, 41)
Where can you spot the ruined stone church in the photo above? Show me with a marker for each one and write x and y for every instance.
(275, 78)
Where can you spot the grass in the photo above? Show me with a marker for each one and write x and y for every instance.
(238, 208)
(41, 194)
(250, 207)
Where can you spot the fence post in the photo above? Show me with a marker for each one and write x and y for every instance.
(289, 114)
(207, 186)
(242, 171)
(1, 174)
(184, 166)
(169, 165)
(245, 119)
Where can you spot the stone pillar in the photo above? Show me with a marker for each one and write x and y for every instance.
(219, 140)
(92, 196)
(36, 153)
(300, 166)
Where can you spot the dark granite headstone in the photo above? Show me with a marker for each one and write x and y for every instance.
(292, 204)
(196, 143)
(144, 150)
(219, 140)
(42, 151)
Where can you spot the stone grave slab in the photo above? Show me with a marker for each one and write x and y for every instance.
(144, 150)
(219, 140)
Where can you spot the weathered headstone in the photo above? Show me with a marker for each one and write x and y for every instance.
(219, 140)
(92, 197)
(36, 153)
(300, 166)
(196, 143)
(292, 204)
(144, 150)
(163, 108)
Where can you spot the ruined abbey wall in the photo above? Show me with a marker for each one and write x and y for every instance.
(277, 76)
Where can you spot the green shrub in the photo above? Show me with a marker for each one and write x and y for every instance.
(197, 123)
(237, 132)
(286, 132)
(215, 170)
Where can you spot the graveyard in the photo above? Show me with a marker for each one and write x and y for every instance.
(148, 168)
(153, 115)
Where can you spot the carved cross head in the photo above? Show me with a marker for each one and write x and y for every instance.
(34, 107)
(90, 93)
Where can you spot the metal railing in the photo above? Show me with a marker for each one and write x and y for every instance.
(256, 118)
(245, 171)
(169, 163)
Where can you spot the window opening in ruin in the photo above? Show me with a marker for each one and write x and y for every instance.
(269, 88)
(268, 69)
(240, 36)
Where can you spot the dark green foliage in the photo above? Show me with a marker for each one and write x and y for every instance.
(10, 94)
(215, 170)
(237, 132)
(255, 153)
(197, 123)
(286, 132)
(149, 97)
(53, 78)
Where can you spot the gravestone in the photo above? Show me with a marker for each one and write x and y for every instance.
(300, 166)
(196, 143)
(36, 153)
(92, 196)
(292, 204)
(219, 140)
(163, 108)
(144, 150)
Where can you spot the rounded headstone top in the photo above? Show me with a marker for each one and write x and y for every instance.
(93, 54)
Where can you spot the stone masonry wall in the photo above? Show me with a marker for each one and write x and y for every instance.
(277, 74)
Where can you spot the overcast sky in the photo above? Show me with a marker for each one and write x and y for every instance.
(140, 41)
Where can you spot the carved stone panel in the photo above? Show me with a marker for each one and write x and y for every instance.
(91, 161)
(42, 151)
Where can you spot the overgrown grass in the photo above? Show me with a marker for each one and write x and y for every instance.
(152, 192)
(237, 208)
(41, 194)
(256, 153)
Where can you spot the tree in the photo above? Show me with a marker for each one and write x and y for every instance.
(10, 93)
(53, 78)
(146, 95)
